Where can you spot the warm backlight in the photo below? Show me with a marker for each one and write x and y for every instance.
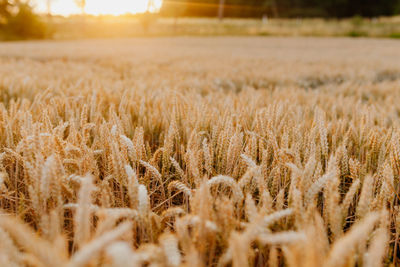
(101, 7)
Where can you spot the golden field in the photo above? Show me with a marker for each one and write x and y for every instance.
(223, 151)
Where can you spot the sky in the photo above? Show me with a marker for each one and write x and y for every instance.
(97, 7)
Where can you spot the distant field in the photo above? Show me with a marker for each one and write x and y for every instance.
(109, 27)
(200, 151)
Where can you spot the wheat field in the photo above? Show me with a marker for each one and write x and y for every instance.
(189, 151)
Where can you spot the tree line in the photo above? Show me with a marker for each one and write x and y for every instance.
(18, 20)
(280, 8)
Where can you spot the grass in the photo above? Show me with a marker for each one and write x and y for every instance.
(225, 151)
(123, 27)
(359, 34)
(395, 35)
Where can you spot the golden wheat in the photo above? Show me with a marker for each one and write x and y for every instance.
(204, 152)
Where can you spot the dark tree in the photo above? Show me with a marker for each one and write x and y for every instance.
(18, 21)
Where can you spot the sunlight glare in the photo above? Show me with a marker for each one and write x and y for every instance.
(101, 7)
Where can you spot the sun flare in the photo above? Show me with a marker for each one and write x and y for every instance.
(101, 7)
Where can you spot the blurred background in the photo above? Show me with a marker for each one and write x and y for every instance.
(81, 19)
